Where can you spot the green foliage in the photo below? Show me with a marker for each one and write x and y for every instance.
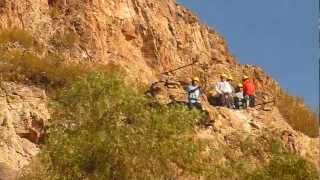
(282, 165)
(103, 129)
(299, 116)
(286, 166)
(262, 158)
(261, 146)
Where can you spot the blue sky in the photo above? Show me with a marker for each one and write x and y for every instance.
(281, 36)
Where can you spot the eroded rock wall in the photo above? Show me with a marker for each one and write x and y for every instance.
(144, 37)
(23, 117)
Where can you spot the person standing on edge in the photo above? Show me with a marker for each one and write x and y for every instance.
(224, 90)
(194, 94)
(249, 91)
(239, 100)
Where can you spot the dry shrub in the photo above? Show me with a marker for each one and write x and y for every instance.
(19, 36)
(19, 62)
(297, 114)
(293, 109)
(65, 40)
(26, 67)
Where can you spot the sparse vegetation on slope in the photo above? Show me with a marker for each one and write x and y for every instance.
(296, 113)
(21, 62)
(103, 129)
(299, 116)
(21, 37)
(286, 166)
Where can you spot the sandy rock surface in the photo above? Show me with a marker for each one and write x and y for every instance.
(23, 117)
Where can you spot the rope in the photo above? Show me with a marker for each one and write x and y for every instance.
(173, 70)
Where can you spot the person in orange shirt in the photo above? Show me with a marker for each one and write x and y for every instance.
(248, 91)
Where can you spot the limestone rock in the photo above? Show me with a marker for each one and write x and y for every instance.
(24, 115)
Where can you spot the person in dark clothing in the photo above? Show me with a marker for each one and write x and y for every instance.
(239, 99)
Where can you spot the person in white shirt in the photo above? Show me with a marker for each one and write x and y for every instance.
(224, 90)
(194, 94)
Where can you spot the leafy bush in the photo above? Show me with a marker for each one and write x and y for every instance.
(103, 129)
(286, 166)
(262, 158)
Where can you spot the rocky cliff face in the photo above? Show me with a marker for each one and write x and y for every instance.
(23, 116)
(146, 38)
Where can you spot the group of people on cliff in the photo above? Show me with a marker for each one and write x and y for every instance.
(241, 96)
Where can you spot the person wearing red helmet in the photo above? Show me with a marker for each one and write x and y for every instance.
(249, 91)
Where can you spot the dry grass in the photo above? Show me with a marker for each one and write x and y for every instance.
(20, 61)
(26, 67)
(65, 40)
(19, 36)
(297, 114)
(52, 71)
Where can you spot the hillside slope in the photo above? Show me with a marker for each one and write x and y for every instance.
(145, 38)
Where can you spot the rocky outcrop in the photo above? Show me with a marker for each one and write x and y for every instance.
(23, 116)
(144, 37)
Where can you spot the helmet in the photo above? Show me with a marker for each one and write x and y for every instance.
(196, 79)
(245, 77)
(224, 75)
(240, 85)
